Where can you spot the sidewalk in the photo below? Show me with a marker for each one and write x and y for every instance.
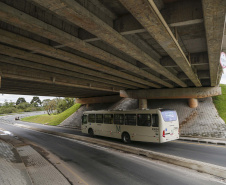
(12, 169)
(21, 165)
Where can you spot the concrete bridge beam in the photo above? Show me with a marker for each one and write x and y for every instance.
(88, 21)
(54, 69)
(17, 86)
(196, 59)
(176, 93)
(103, 99)
(159, 30)
(13, 39)
(22, 73)
(127, 24)
(214, 18)
(36, 26)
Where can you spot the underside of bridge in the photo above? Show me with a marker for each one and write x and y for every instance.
(91, 48)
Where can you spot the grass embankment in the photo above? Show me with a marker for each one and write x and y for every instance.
(220, 102)
(52, 119)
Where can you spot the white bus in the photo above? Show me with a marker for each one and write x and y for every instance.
(155, 125)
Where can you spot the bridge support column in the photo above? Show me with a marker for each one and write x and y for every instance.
(193, 102)
(143, 104)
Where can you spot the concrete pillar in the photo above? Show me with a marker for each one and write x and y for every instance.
(193, 102)
(143, 104)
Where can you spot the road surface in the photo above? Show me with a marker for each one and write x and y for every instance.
(98, 165)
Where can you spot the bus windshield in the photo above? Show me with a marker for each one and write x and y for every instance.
(169, 115)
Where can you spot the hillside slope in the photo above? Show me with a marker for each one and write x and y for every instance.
(220, 102)
(53, 119)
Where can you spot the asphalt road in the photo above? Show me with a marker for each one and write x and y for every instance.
(100, 166)
(209, 153)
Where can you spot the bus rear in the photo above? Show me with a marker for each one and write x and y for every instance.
(169, 125)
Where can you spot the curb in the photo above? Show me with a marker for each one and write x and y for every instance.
(204, 140)
(179, 161)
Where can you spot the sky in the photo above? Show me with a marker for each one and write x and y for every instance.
(13, 98)
(223, 78)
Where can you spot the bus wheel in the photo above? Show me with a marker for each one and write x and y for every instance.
(126, 137)
(90, 131)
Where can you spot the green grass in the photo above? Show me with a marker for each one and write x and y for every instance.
(220, 102)
(52, 119)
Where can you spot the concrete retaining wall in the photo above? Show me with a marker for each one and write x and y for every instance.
(74, 121)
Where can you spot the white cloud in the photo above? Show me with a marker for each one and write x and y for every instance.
(13, 98)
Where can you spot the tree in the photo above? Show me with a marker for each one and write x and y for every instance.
(63, 104)
(70, 102)
(36, 101)
(11, 104)
(49, 105)
(6, 103)
(45, 102)
(23, 106)
(20, 100)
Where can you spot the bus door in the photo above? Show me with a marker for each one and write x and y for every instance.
(118, 122)
(108, 126)
(144, 131)
(170, 124)
(92, 123)
(84, 124)
(155, 123)
(99, 124)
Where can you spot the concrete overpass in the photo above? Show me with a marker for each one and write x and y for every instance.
(94, 48)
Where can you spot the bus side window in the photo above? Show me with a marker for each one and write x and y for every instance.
(91, 118)
(119, 119)
(130, 119)
(108, 118)
(99, 118)
(84, 119)
(144, 120)
(155, 120)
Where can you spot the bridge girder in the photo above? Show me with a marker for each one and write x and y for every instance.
(121, 45)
